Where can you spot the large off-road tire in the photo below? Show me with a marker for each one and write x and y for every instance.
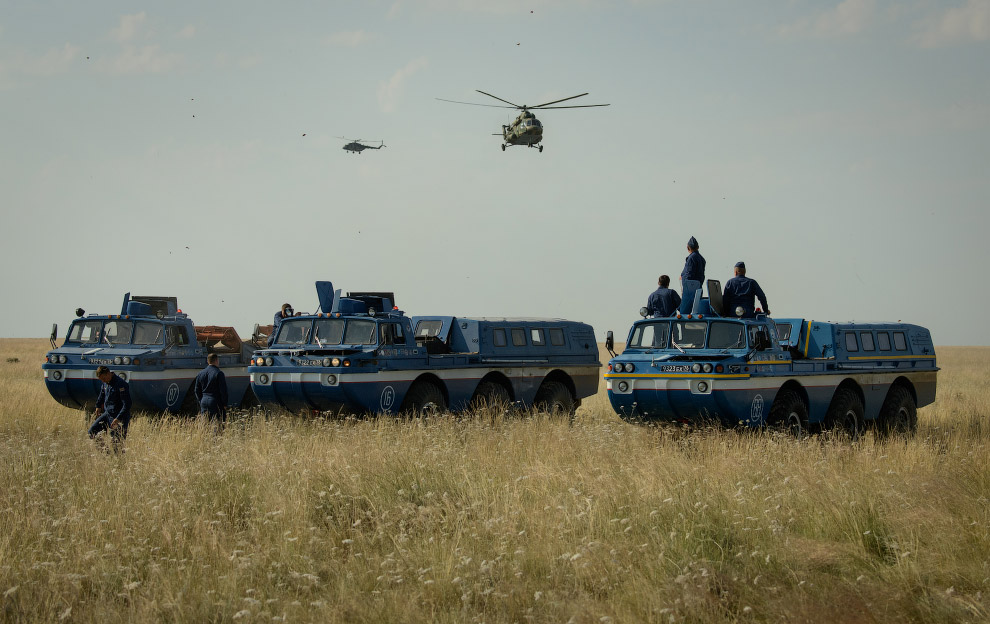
(555, 399)
(424, 399)
(899, 414)
(789, 414)
(491, 395)
(845, 414)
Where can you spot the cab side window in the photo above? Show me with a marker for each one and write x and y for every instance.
(867, 339)
(851, 344)
(518, 337)
(498, 335)
(900, 343)
(536, 337)
(178, 336)
(392, 334)
(556, 336)
(883, 339)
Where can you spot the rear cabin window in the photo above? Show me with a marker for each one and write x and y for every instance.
(536, 337)
(177, 335)
(556, 336)
(900, 342)
(518, 337)
(392, 334)
(851, 344)
(88, 331)
(883, 339)
(428, 328)
(867, 339)
(784, 333)
(499, 337)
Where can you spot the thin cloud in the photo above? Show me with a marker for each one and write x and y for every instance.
(390, 91)
(848, 18)
(188, 32)
(149, 59)
(129, 26)
(963, 24)
(349, 39)
(55, 61)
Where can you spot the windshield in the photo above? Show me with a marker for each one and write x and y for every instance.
(650, 336)
(294, 332)
(146, 333)
(360, 332)
(85, 331)
(689, 335)
(727, 335)
(328, 332)
(118, 332)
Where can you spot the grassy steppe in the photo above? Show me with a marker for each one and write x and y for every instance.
(491, 519)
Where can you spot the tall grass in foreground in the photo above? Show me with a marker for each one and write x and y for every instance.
(491, 519)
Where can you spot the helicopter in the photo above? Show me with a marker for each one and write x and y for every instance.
(525, 129)
(357, 147)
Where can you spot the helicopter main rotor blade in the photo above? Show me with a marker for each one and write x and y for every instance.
(523, 107)
(576, 106)
(476, 104)
(563, 100)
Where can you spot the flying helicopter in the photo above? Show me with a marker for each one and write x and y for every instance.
(525, 129)
(356, 146)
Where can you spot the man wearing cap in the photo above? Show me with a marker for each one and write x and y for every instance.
(663, 301)
(693, 275)
(281, 315)
(742, 292)
(113, 407)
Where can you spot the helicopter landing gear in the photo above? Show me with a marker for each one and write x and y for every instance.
(503, 147)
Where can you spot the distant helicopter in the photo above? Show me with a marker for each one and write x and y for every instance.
(357, 147)
(525, 129)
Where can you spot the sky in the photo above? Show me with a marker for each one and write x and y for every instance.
(840, 149)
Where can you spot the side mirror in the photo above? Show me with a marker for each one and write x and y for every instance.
(254, 332)
(643, 311)
(609, 341)
(54, 334)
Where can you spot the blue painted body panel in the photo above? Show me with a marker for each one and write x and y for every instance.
(160, 375)
(301, 373)
(738, 386)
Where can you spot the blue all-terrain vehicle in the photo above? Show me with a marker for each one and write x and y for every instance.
(796, 374)
(361, 354)
(153, 346)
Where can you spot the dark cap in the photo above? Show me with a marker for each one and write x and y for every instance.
(740, 265)
(693, 243)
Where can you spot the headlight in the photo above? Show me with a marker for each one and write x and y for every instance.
(332, 380)
(269, 361)
(57, 375)
(326, 361)
(122, 375)
(623, 386)
(740, 311)
(707, 367)
(702, 386)
(696, 368)
(630, 367)
(118, 360)
(263, 378)
(259, 361)
(335, 362)
(127, 359)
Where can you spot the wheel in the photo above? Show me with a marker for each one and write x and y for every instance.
(845, 414)
(789, 414)
(541, 149)
(899, 414)
(491, 395)
(424, 399)
(555, 399)
(503, 147)
(249, 401)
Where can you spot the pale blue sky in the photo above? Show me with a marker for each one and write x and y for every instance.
(841, 149)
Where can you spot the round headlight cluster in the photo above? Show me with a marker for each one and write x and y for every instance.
(702, 386)
(707, 367)
(118, 360)
(326, 361)
(263, 378)
(126, 359)
(628, 367)
(57, 375)
(335, 362)
(623, 386)
(269, 361)
(696, 368)
(331, 380)
(57, 359)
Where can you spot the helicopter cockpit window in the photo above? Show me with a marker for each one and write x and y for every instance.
(85, 332)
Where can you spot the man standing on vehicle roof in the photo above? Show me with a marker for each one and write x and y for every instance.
(741, 291)
(113, 407)
(693, 275)
(281, 315)
(211, 389)
(663, 301)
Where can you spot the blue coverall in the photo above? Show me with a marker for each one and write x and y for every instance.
(211, 391)
(114, 401)
(692, 277)
(742, 291)
(662, 302)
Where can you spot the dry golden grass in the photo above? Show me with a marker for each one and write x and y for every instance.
(491, 519)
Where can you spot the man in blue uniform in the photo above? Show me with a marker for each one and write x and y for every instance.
(693, 275)
(211, 389)
(741, 292)
(113, 407)
(663, 301)
(280, 316)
